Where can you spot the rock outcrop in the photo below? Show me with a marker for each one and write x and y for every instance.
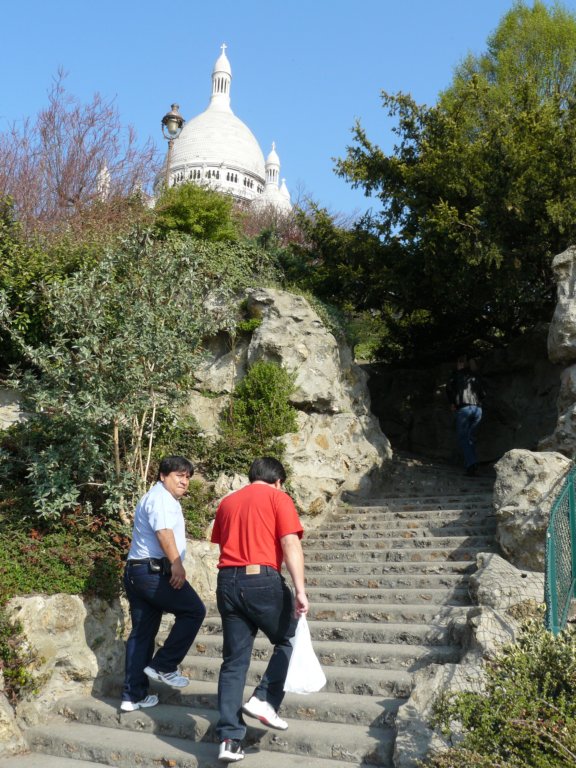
(562, 350)
(526, 487)
(339, 446)
(562, 334)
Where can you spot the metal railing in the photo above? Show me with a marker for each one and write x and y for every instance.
(560, 577)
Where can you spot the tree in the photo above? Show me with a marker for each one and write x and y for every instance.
(124, 337)
(71, 159)
(479, 192)
(334, 260)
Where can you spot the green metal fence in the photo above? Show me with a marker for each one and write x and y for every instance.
(560, 581)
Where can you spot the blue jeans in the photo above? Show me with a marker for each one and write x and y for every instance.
(468, 418)
(150, 595)
(248, 603)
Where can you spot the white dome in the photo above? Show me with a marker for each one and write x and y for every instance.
(218, 138)
(217, 149)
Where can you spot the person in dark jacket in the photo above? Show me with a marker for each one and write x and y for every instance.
(466, 392)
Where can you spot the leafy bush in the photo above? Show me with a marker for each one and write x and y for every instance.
(526, 717)
(260, 407)
(259, 412)
(125, 335)
(78, 554)
(197, 211)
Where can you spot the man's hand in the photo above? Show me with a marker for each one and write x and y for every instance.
(302, 605)
(167, 541)
(178, 575)
(294, 559)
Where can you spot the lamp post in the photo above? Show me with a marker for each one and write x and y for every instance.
(172, 124)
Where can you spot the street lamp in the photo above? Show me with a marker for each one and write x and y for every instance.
(172, 123)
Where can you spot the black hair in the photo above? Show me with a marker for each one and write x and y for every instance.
(175, 464)
(266, 469)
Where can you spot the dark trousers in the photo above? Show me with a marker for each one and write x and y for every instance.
(468, 417)
(150, 595)
(248, 603)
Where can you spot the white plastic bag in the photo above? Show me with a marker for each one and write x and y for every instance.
(305, 675)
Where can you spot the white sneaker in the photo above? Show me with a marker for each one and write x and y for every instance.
(132, 706)
(264, 712)
(231, 751)
(172, 679)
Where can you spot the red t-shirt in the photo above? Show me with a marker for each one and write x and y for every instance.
(250, 523)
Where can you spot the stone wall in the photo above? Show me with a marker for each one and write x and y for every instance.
(80, 644)
(520, 407)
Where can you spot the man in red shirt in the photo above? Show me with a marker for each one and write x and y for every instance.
(257, 529)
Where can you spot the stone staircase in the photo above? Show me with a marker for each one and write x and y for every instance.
(386, 582)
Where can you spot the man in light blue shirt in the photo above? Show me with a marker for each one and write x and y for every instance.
(155, 583)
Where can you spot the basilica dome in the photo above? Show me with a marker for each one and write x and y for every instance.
(217, 149)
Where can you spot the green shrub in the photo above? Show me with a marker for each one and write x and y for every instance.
(79, 559)
(526, 717)
(259, 412)
(260, 407)
(197, 211)
(249, 326)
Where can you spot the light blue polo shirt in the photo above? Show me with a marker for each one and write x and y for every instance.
(156, 510)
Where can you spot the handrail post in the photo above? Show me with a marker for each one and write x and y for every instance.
(573, 532)
(560, 561)
(551, 598)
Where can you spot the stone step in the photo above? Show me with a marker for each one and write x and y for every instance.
(369, 582)
(455, 512)
(420, 613)
(408, 553)
(38, 760)
(406, 541)
(126, 749)
(387, 531)
(177, 726)
(406, 521)
(339, 652)
(323, 706)
(398, 613)
(429, 501)
(456, 595)
(352, 679)
(417, 511)
(448, 567)
(355, 631)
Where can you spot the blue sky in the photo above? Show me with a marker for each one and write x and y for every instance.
(302, 71)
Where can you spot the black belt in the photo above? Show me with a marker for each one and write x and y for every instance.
(160, 565)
